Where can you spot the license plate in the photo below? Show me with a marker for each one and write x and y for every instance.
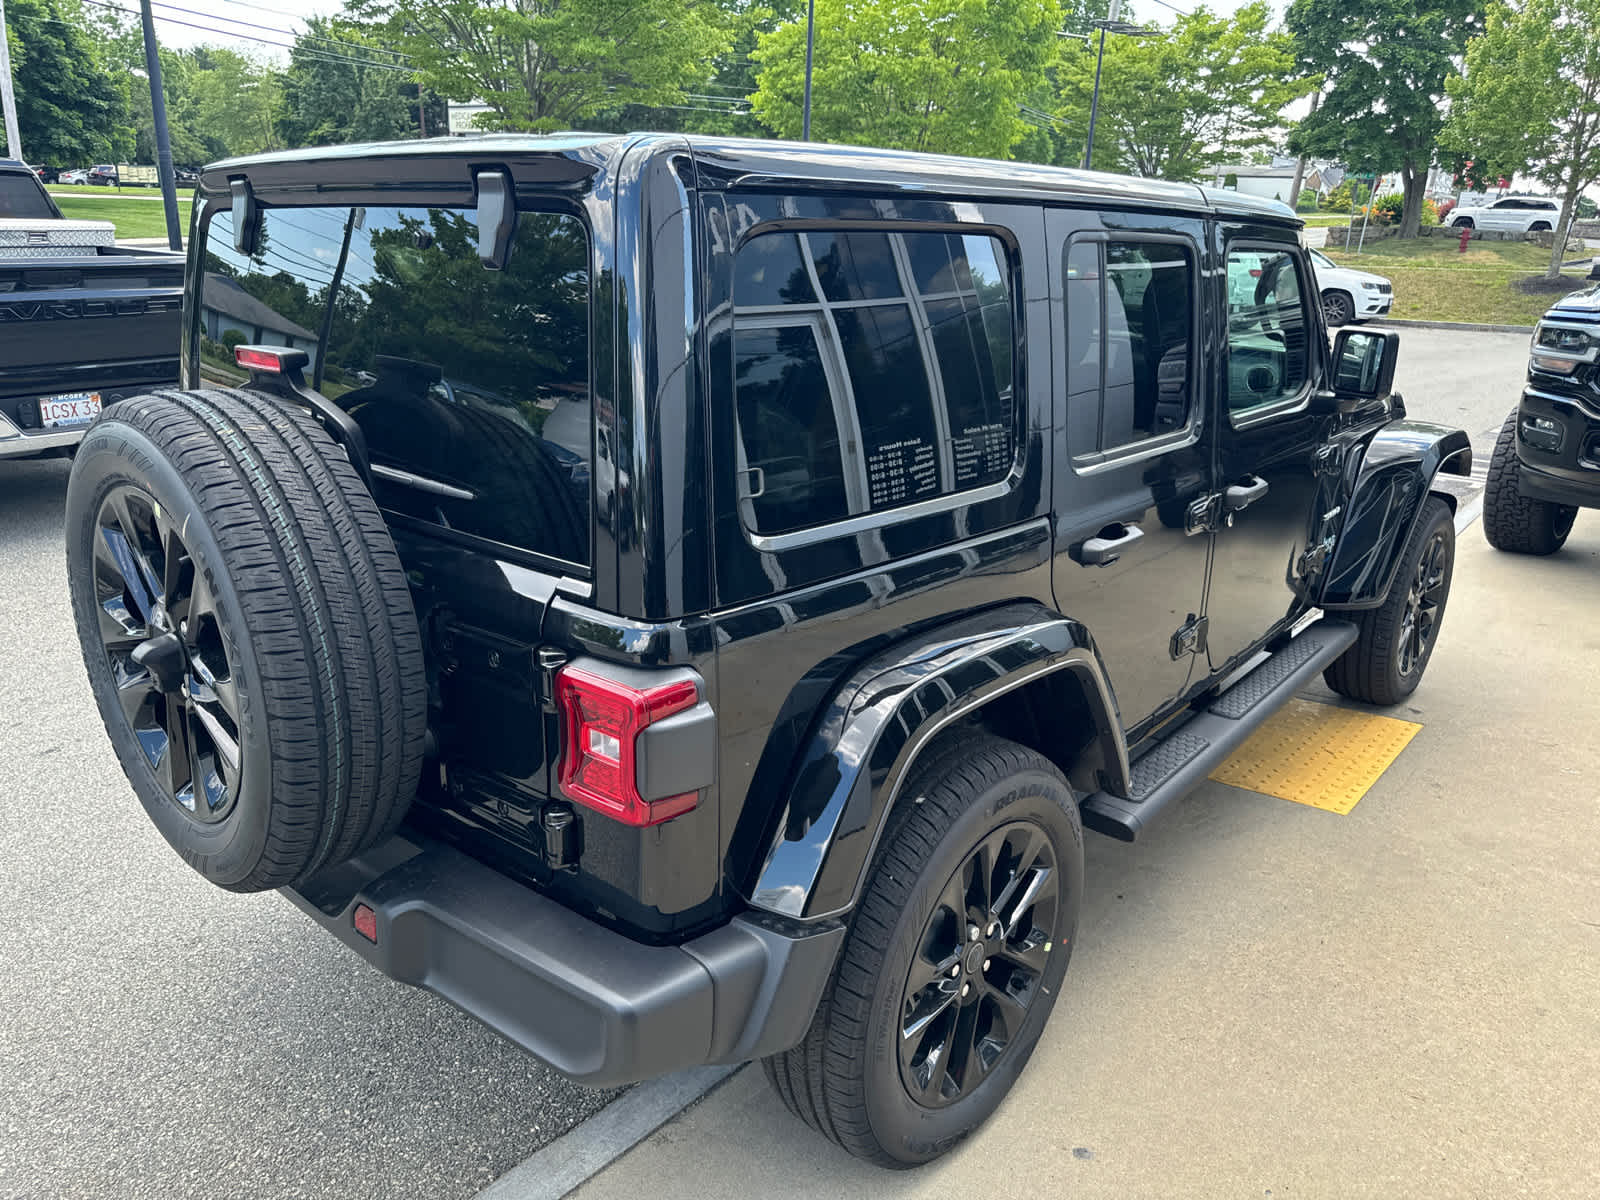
(72, 408)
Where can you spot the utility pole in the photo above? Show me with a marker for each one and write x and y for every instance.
(8, 98)
(805, 107)
(1300, 164)
(1110, 25)
(158, 109)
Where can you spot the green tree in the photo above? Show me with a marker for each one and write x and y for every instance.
(342, 85)
(719, 105)
(552, 64)
(1386, 62)
(936, 75)
(234, 99)
(69, 108)
(1529, 100)
(1210, 90)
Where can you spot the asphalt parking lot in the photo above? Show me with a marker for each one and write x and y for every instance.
(159, 1037)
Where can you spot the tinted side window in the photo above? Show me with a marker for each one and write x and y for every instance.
(872, 369)
(1268, 347)
(471, 386)
(1129, 321)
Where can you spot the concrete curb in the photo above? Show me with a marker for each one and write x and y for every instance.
(1462, 326)
(584, 1151)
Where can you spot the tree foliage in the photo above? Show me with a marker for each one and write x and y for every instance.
(551, 64)
(341, 86)
(1210, 90)
(1386, 62)
(1529, 99)
(69, 107)
(934, 75)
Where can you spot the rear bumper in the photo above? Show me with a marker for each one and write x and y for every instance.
(600, 1008)
(19, 443)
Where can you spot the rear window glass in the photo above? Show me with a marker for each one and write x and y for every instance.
(871, 370)
(471, 385)
(21, 196)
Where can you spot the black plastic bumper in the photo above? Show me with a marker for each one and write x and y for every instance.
(1561, 459)
(599, 1007)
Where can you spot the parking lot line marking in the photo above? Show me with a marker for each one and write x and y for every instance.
(1317, 754)
(587, 1149)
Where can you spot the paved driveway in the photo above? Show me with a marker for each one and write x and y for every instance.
(161, 1038)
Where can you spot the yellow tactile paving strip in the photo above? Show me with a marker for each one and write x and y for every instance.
(1317, 754)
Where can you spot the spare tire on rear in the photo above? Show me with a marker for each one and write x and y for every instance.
(248, 632)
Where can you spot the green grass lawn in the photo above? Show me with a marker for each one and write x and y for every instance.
(132, 220)
(132, 190)
(1434, 281)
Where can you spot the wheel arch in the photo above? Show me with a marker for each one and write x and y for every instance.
(1022, 671)
(1386, 488)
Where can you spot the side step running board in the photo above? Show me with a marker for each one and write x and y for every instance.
(1180, 762)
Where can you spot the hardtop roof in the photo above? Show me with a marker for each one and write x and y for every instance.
(749, 161)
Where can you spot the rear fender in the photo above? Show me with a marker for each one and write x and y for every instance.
(1387, 486)
(869, 735)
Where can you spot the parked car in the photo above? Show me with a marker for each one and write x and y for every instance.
(186, 176)
(83, 322)
(1509, 214)
(76, 175)
(955, 507)
(104, 175)
(47, 174)
(1347, 294)
(1546, 461)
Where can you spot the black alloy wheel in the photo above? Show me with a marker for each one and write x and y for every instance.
(1430, 586)
(979, 965)
(955, 955)
(158, 627)
(1397, 638)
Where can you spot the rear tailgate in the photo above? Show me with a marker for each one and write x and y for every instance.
(105, 323)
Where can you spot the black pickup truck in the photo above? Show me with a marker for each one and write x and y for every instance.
(1546, 462)
(683, 600)
(83, 322)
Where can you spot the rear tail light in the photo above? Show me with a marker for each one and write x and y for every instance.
(602, 719)
(274, 360)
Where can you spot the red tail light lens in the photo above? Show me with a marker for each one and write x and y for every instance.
(601, 722)
(257, 359)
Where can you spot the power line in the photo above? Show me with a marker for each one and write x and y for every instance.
(314, 53)
(290, 33)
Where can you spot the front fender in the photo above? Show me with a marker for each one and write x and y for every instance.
(870, 733)
(1388, 484)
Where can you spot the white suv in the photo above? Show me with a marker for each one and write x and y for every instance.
(1349, 295)
(1509, 214)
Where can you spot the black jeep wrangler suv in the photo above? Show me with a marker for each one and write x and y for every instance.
(682, 600)
(1546, 461)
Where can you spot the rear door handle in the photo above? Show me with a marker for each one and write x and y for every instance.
(1107, 546)
(1243, 495)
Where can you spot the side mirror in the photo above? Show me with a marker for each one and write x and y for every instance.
(1363, 364)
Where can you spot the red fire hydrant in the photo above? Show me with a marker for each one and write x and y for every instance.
(1466, 236)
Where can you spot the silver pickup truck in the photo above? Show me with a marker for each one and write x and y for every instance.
(83, 321)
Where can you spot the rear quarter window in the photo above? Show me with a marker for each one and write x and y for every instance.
(872, 370)
(471, 386)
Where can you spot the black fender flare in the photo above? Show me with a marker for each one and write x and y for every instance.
(1386, 488)
(870, 732)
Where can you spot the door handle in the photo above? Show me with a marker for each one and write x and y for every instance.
(1243, 495)
(1107, 546)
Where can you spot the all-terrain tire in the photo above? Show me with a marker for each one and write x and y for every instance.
(845, 1079)
(1373, 669)
(1514, 522)
(312, 631)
